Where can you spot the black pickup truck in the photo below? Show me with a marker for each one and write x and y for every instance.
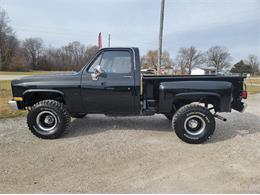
(112, 84)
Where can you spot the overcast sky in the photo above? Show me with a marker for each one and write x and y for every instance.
(234, 24)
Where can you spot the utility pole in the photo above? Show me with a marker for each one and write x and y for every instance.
(108, 40)
(160, 37)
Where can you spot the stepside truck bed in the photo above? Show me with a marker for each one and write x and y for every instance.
(151, 83)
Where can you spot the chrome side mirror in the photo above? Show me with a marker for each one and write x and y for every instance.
(97, 73)
(98, 70)
(94, 76)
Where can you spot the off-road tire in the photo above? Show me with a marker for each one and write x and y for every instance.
(183, 124)
(53, 108)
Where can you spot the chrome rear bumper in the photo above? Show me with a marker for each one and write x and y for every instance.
(245, 106)
(13, 105)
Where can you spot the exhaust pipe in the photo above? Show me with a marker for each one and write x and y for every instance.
(220, 117)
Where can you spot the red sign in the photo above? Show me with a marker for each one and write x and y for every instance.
(99, 40)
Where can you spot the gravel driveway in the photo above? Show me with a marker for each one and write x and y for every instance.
(101, 154)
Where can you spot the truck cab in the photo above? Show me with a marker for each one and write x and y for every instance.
(112, 78)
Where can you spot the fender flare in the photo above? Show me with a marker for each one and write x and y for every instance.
(28, 92)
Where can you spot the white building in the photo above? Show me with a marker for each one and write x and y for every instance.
(203, 71)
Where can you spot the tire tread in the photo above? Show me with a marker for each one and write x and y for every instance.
(182, 112)
(56, 105)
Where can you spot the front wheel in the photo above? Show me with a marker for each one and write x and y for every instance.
(193, 124)
(48, 119)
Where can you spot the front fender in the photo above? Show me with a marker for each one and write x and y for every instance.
(31, 95)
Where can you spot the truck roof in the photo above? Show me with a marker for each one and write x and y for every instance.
(118, 48)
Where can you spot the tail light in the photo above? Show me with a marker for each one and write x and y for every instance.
(244, 92)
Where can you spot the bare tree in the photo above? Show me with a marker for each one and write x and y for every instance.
(181, 64)
(8, 50)
(167, 60)
(19, 62)
(33, 50)
(70, 57)
(150, 60)
(90, 53)
(4, 20)
(72, 54)
(5, 30)
(254, 63)
(77, 52)
(189, 58)
(8, 41)
(219, 57)
(144, 63)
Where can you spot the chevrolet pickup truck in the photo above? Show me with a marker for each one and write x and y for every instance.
(112, 84)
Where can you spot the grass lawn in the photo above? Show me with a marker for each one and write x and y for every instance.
(5, 96)
(252, 81)
(252, 85)
(253, 89)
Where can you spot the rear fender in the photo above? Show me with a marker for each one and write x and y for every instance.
(217, 93)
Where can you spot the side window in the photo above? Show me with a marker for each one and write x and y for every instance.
(113, 62)
(96, 62)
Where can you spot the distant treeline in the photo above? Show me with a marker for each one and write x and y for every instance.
(216, 57)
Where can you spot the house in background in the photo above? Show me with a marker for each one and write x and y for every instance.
(203, 71)
(177, 71)
(167, 70)
(148, 71)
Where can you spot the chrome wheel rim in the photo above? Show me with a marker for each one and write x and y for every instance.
(46, 121)
(194, 125)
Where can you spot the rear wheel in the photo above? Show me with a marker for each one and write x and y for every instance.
(193, 124)
(48, 119)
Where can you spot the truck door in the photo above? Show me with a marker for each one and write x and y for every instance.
(113, 90)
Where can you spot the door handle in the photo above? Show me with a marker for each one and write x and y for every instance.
(126, 76)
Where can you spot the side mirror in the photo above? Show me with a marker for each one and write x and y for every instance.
(98, 72)
(94, 76)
